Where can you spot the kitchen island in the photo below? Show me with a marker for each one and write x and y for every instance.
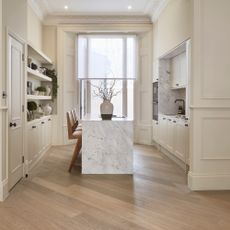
(107, 146)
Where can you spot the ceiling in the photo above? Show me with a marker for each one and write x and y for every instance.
(98, 7)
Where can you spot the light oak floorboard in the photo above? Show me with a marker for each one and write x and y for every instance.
(156, 197)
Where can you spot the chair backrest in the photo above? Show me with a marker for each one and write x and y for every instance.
(71, 124)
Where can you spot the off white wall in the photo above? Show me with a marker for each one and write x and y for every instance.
(14, 21)
(34, 29)
(173, 26)
(210, 93)
(49, 45)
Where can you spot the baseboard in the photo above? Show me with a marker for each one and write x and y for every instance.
(4, 190)
(179, 162)
(199, 182)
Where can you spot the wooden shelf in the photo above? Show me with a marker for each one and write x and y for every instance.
(37, 75)
(38, 55)
(38, 97)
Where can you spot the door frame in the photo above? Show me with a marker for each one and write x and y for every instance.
(10, 33)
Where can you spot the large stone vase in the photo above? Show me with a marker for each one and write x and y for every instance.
(106, 109)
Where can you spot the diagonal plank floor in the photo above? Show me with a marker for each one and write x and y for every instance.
(156, 197)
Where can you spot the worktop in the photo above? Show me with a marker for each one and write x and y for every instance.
(107, 145)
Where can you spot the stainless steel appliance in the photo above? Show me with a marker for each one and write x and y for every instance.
(155, 101)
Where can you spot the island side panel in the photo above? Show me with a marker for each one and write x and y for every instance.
(107, 147)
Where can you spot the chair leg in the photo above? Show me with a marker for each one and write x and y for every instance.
(75, 153)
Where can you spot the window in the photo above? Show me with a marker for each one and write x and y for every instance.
(107, 58)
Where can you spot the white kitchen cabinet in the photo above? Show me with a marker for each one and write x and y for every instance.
(179, 71)
(155, 131)
(174, 136)
(162, 130)
(170, 135)
(181, 141)
(155, 70)
(39, 135)
(33, 141)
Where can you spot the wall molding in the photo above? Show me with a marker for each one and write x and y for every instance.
(159, 10)
(4, 190)
(205, 155)
(36, 8)
(201, 182)
(96, 19)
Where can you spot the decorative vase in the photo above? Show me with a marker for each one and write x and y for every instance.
(48, 90)
(47, 109)
(106, 109)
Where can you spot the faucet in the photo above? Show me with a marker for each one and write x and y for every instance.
(182, 110)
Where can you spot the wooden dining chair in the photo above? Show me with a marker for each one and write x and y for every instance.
(74, 133)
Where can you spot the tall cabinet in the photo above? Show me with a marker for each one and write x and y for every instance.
(39, 126)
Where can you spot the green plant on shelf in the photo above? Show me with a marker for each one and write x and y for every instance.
(41, 89)
(52, 74)
(32, 106)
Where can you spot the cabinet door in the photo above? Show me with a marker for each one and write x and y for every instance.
(170, 135)
(49, 131)
(155, 131)
(155, 70)
(179, 71)
(33, 142)
(162, 131)
(181, 141)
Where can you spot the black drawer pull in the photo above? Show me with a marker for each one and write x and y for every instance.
(34, 127)
(169, 119)
(174, 121)
(49, 119)
(164, 118)
(42, 122)
(186, 125)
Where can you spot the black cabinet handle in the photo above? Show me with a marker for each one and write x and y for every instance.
(164, 118)
(34, 127)
(169, 119)
(49, 119)
(13, 124)
(186, 125)
(177, 84)
(42, 122)
(174, 121)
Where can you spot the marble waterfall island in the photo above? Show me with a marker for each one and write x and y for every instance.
(107, 146)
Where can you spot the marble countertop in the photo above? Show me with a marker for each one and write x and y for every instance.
(90, 117)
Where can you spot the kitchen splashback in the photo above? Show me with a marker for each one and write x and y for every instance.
(166, 95)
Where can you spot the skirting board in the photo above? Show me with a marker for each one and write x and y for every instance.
(199, 182)
(4, 190)
(174, 159)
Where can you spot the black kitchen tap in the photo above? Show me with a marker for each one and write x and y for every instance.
(181, 109)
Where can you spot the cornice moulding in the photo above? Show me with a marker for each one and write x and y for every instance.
(83, 19)
(159, 10)
(36, 9)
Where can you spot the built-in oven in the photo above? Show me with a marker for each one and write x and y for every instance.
(155, 101)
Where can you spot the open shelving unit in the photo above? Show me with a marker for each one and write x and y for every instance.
(38, 55)
(38, 97)
(35, 78)
(37, 75)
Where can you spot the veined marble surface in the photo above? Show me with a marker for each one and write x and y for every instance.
(107, 147)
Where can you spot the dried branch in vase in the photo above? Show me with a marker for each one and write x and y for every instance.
(106, 90)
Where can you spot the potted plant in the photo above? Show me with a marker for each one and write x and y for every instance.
(105, 90)
(41, 90)
(31, 106)
(52, 74)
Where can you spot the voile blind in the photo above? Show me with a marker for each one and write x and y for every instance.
(106, 57)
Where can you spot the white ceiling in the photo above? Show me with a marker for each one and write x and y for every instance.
(98, 7)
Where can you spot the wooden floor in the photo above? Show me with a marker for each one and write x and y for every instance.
(156, 197)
